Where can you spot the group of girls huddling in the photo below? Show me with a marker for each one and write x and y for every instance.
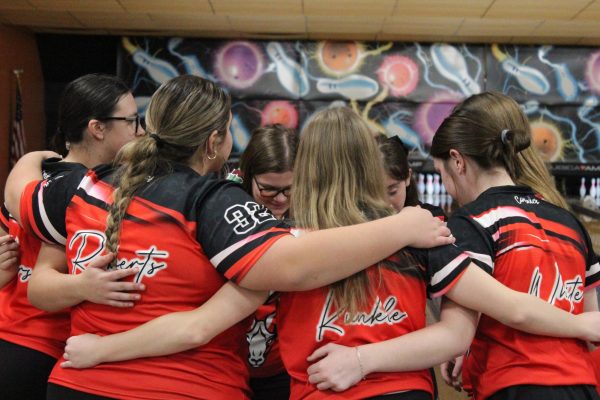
(140, 273)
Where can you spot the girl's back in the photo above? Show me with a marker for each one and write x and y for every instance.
(184, 243)
(534, 247)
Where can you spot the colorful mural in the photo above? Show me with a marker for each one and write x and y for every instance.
(401, 89)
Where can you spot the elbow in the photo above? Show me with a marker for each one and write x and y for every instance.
(11, 202)
(517, 319)
(195, 334)
(296, 280)
(461, 345)
(514, 312)
(197, 338)
(460, 336)
(12, 193)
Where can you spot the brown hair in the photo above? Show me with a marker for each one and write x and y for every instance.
(271, 148)
(492, 130)
(395, 162)
(181, 116)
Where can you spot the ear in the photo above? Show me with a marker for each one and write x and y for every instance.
(97, 129)
(213, 142)
(457, 162)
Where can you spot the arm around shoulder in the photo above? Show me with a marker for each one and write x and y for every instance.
(319, 258)
(520, 310)
(338, 367)
(27, 169)
(51, 288)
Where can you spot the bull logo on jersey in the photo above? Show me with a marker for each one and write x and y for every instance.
(381, 313)
(260, 340)
(247, 216)
(90, 243)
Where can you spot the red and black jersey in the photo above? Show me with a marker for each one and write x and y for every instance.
(533, 247)
(43, 203)
(309, 320)
(20, 322)
(187, 234)
(263, 358)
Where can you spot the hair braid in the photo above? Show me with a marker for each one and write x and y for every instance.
(139, 161)
(181, 116)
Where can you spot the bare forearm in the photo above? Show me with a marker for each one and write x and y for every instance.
(424, 348)
(541, 318)
(305, 270)
(51, 290)
(322, 257)
(515, 309)
(168, 334)
(180, 331)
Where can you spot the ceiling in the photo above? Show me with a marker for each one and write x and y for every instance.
(573, 22)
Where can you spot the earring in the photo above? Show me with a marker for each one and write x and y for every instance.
(213, 157)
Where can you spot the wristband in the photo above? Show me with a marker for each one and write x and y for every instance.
(362, 370)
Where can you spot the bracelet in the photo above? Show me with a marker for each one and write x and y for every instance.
(362, 370)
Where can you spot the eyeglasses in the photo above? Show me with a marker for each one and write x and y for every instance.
(272, 191)
(134, 118)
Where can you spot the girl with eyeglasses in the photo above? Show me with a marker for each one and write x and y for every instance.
(267, 167)
(97, 115)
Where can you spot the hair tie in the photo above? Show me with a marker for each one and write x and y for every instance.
(182, 151)
(504, 136)
(157, 139)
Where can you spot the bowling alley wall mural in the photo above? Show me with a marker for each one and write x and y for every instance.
(399, 89)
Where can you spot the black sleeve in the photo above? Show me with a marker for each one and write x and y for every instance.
(443, 266)
(44, 204)
(233, 230)
(592, 270)
(474, 240)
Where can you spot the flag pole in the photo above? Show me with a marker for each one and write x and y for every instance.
(18, 73)
(17, 137)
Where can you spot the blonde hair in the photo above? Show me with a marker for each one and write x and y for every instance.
(181, 116)
(338, 181)
(535, 174)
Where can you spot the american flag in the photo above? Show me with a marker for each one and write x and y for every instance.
(17, 137)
